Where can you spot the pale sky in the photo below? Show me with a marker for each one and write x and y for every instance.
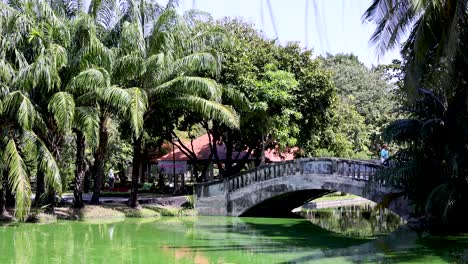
(334, 26)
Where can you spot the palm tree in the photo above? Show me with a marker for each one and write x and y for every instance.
(436, 41)
(164, 65)
(24, 68)
(432, 165)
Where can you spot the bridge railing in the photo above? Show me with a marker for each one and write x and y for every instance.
(359, 170)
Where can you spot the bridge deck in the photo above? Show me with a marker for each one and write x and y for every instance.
(359, 170)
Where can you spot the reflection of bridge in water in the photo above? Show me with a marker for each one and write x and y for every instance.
(275, 189)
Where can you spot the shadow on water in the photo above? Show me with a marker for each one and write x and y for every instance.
(204, 240)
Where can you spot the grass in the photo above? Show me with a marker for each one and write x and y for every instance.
(135, 213)
(170, 211)
(89, 212)
(42, 218)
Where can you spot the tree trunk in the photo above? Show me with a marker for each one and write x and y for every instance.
(99, 161)
(9, 197)
(161, 183)
(2, 199)
(40, 189)
(262, 154)
(50, 201)
(87, 181)
(79, 170)
(136, 164)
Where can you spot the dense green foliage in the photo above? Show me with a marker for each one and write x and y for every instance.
(365, 105)
(87, 88)
(280, 85)
(432, 166)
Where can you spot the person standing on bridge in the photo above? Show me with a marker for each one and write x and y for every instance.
(384, 155)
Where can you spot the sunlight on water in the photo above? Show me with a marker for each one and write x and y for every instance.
(204, 240)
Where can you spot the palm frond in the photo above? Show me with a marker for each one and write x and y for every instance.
(393, 19)
(46, 161)
(198, 62)
(58, 54)
(402, 131)
(20, 108)
(129, 67)
(62, 107)
(207, 109)
(236, 98)
(198, 86)
(41, 72)
(132, 39)
(7, 72)
(89, 80)
(87, 121)
(137, 109)
(115, 98)
(18, 179)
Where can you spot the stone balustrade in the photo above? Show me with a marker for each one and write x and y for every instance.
(359, 170)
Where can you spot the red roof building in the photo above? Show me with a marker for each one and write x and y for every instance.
(201, 148)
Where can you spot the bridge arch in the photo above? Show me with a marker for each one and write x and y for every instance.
(277, 188)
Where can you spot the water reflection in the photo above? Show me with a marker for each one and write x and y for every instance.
(204, 240)
(361, 220)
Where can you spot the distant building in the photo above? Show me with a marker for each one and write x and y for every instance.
(200, 148)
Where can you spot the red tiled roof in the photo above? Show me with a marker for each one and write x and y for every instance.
(201, 148)
(275, 156)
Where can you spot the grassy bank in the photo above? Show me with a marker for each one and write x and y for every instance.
(101, 213)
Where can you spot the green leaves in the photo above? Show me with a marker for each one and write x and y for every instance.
(137, 109)
(62, 107)
(208, 109)
(41, 73)
(19, 107)
(18, 179)
(88, 80)
(199, 86)
(87, 121)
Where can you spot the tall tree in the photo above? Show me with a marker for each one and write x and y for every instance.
(433, 167)
(368, 91)
(162, 69)
(30, 60)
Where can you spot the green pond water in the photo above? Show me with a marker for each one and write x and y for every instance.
(342, 235)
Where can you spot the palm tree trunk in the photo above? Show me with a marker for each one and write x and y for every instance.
(79, 171)
(2, 199)
(87, 181)
(40, 188)
(9, 197)
(99, 161)
(133, 202)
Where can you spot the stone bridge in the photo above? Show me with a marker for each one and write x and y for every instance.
(274, 189)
